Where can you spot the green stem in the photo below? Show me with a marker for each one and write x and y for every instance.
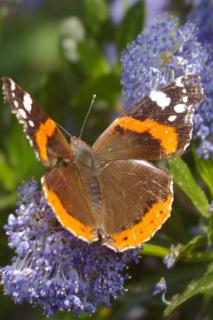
(154, 250)
(158, 251)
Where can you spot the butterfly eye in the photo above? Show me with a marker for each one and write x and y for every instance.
(66, 164)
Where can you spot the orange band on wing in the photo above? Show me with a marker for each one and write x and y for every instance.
(144, 230)
(66, 219)
(165, 134)
(44, 131)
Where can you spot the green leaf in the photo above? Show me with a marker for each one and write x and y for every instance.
(96, 10)
(96, 14)
(23, 47)
(7, 177)
(185, 180)
(101, 86)
(193, 251)
(210, 230)
(131, 25)
(191, 246)
(7, 201)
(205, 169)
(1, 23)
(201, 285)
(21, 156)
(93, 61)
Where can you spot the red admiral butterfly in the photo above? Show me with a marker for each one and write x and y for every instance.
(106, 190)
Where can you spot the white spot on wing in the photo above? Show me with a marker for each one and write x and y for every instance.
(185, 99)
(31, 143)
(15, 103)
(179, 108)
(22, 122)
(160, 98)
(179, 82)
(172, 118)
(189, 115)
(12, 85)
(27, 102)
(31, 123)
(22, 113)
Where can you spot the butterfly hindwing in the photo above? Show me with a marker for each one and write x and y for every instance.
(135, 198)
(157, 127)
(138, 198)
(67, 193)
(41, 131)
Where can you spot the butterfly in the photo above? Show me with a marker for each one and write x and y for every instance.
(110, 190)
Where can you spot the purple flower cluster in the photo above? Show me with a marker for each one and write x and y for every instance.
(158, 55)
(54, 269)
(160, 287)
(201, 16)
(164, 51)
(172, 256)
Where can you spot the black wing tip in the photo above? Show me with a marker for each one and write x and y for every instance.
(8, 86)
(191, 80)
(193, 84)
(6, 80)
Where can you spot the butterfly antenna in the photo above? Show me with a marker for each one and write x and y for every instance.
(87, 115)
(62, 128)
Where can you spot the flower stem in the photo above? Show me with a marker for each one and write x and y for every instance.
(154, 250)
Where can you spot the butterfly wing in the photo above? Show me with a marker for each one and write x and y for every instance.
(157, 127)
(137, 201)
(68, 195)
(47, 140)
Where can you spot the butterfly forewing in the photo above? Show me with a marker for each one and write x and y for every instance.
(41, 131)
(157, 127)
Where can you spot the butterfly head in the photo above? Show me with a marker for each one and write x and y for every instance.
(82, 153)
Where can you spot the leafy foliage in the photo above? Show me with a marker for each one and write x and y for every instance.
(185, 180)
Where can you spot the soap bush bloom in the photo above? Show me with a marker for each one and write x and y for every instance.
(166, 50)
(158, 55)
(54, 269)
(201, 16)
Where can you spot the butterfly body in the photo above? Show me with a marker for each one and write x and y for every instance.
(110, 190)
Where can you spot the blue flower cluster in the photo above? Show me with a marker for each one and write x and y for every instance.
(54, 269)
(160, 287)
(164, 51)
(201, 16)
(158, 55)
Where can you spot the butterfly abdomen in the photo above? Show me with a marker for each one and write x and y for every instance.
(85, 161)
(95, 193)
